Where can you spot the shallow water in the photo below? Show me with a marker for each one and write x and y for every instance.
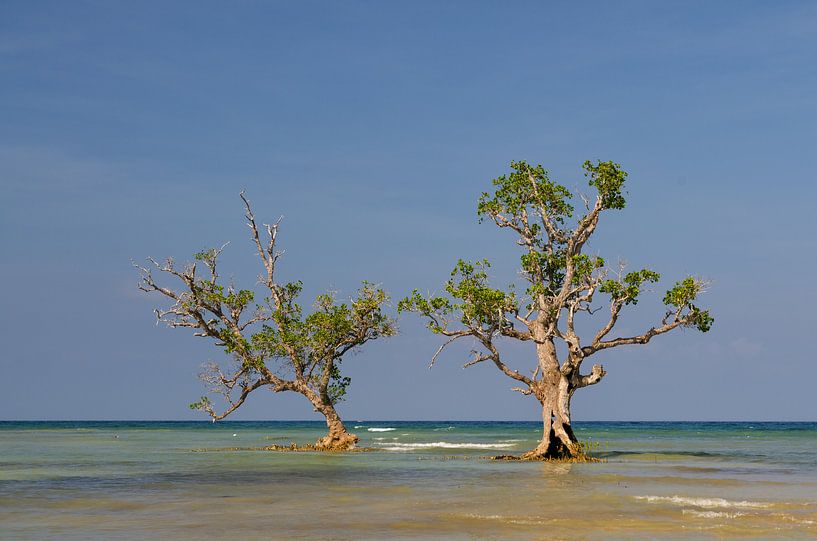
(426, 480)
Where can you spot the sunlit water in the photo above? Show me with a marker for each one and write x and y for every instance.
(429, 480)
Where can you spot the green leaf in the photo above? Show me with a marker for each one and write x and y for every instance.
(683, 292)
(608, 178)
(526, 185)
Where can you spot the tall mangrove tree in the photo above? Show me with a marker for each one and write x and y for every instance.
(562, 282)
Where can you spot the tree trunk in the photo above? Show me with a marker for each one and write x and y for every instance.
(558, 441)
(338, 439)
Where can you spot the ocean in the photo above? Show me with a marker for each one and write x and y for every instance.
(422, 481)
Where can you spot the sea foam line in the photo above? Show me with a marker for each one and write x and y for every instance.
(507, 519)
(707, 503)
(442, 445)
(711, 514)
(378, 429)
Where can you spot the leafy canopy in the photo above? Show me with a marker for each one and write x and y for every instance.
(524, 186)
(476, 304)
(320, 339)
(608, 179)
(541, 212)
(681, 296)
(307, 344)
(627, 289)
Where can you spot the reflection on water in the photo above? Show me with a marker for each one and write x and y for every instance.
(138, 481)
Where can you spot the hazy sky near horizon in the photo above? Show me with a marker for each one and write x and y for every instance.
(128, 129)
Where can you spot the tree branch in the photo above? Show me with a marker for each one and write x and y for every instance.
(586, 226)
(615, 309)
(269, 256)
(640, 339)
(245, 392)
(553, 232)
(494, 356)
(478, 358)
(443, 346)
(594, 377)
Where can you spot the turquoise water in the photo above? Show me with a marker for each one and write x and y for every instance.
(424, 480)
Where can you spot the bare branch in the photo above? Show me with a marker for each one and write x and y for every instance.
(594, 377)
(640, 339)
(615, 308)
(443, 346)
(245, 392)
(478, 358)
(585, 227)
(515, 333)
(268, 254)
(494, 356)
(584, 199)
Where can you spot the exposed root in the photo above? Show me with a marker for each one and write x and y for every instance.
(529, 457)
(557, 451)
(337, 442)
(291, 448)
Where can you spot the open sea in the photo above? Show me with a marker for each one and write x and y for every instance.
(424, 480)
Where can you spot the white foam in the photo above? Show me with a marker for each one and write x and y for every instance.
(443, 445)
(794, 519)
(378, 429)
(359, 426)
(706, 503)
(711, 514)
(509, 520)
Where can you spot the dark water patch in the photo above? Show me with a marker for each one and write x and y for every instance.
(665, 454)
(297, 474)
(730, 470)
(79, 464)
(783, 460)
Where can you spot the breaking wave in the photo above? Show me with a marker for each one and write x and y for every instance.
(378, 429)
(442, 445)
(706, 503)
(711, 514)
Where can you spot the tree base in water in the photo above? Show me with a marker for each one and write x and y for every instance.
(529, 457)
(337, 442)
(291, 448)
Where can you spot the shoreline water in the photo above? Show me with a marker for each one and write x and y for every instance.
(135, 480)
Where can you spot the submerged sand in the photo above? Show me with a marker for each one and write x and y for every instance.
(658, 482)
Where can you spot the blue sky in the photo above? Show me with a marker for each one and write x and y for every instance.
(128, 130)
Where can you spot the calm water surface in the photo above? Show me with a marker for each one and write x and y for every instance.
(426, 480)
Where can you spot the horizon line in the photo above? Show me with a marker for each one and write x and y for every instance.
(320, 421)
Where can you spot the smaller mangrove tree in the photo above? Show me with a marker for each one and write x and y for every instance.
(272, 342)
